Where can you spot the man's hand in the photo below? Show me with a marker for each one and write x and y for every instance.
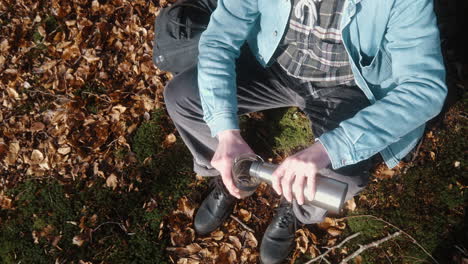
(289, 178)
(231, 144)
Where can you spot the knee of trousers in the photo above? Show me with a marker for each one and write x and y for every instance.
(178, 92)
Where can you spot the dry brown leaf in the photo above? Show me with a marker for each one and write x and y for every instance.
(182, 237)
(334, 231)
(36, 157)
(235, 242)
(206, 253)
(188, 261)
(170, 139)
(55, 241)
(302, 242)
(245, 215)
(357, 260)
(12, 93)
(78, 240)
(249, 239)
(331, 242)
(232, 256)
(5, 202)
(350, 205)
(194, 248)
(184, 207)
(37, 126)
(112, 181)
(217, 235)
(179, 251)
(327, 222)
(64, 150)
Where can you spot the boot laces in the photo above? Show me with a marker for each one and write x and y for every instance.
(219, 188)
(287, 217)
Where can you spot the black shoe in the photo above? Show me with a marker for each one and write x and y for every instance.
(214, 209)
(278, 240)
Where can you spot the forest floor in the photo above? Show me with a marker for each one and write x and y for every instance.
(92, 169)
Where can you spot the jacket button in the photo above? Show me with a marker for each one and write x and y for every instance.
(275, 33)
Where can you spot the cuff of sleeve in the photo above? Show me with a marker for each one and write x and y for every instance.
(339, 149)
(223, 121)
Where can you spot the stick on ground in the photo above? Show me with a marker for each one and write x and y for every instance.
(370, 245)
(322, 256)
(242, 224)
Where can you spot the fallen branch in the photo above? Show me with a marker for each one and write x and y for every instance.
(322, 256)
(399, 229)
(242, 224)
(370, 245)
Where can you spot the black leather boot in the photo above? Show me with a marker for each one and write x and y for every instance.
(278, 240)
(214, 209)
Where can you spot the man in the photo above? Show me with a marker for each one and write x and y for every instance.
(368, 74)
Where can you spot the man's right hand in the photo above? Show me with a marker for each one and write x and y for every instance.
(231, 144)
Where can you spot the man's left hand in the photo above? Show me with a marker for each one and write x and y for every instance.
(290, 177)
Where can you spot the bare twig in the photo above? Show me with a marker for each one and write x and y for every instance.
(399, 229)
(114, 223)
(242, 224)
(386, 256)
(370, 245)
(322, 256)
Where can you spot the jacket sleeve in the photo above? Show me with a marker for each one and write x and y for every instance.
(219, 46)
(412, 40)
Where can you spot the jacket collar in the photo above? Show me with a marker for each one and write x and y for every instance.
(349, 10)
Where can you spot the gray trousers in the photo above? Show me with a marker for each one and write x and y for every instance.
(260, 89)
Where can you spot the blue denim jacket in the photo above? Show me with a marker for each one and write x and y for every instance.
(395, 55)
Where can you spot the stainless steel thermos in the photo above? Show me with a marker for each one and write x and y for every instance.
(250, 170)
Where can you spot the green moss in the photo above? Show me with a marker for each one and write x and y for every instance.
(37, 37)
(40, 204)
(120, 153)
(293, 131)
(148, 138)
(37, 205)
(281, 132)
(51, 24)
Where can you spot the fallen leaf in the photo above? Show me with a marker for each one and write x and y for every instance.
(37, 126)
(36, 157)
(249, 239)
(327, 222)
(111, 181)
(64, 150)
(350, 205)
(184, 207)
(235, 242)
(217, 235)
(5, 202)
(302, 242)
(334, 231)
(78, 240)
(245, 215)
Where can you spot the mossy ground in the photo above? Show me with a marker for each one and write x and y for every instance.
(66, 209)
(426, 202)
(278, 133)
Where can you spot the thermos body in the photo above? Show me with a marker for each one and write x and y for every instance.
(330, 194)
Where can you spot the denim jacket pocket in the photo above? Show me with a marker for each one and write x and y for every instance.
(377, 71)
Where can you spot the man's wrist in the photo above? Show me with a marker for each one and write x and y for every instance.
(227, 134)
(324, 157)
